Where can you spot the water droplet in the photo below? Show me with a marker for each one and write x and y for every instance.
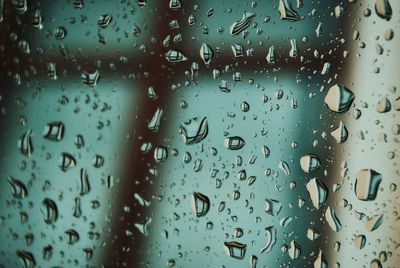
(98, 161)
(287, 12)
(84, 185)
(339, 99)
(383, 105)
(273, 207)
(285, 167)
(49, 210)
(200, 204)
(294, 50)
(174, 4)
(136, 31)
(234, 143)
(376, 264)
(25, 143)
(175, 56)
(194, 130)
(284, 222)
(77, 207)
(360, 241)
(143, 226)
(27, 258)
(60, 33)
(340, 133)
(244, 106)
(237, 50)
(47, 252)
(310, 163)
(383, 9)
(241, 175)
(90, 79)
(367, 184)
(238, 232)
(72, 236)
(66, 162)
(79, 142)
(23, 45)
(143, 202)
(78, 4)
(241, 25)
(318, 30)
(339, 11)
(206, 54)
(265, 151)
(320, 261)
(318, 192)
(332, 219)
(313, 234)
(191, 20)
(160, 154)
(271, 239)
(326, 68)
(251, 180)
(155, 121)
(37, 19)
(54, 131)
(171, 263)
(104, 20)
(20, 6)
(374, 222)
(18, 188)
(271, 55)
(224, 86)
(294, 250)
(235, 249)
(388, 35)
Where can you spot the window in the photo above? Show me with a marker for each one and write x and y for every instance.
(199, 133)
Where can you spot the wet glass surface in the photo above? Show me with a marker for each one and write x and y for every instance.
(177, 133)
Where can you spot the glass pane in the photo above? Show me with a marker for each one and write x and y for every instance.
(182, 133)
